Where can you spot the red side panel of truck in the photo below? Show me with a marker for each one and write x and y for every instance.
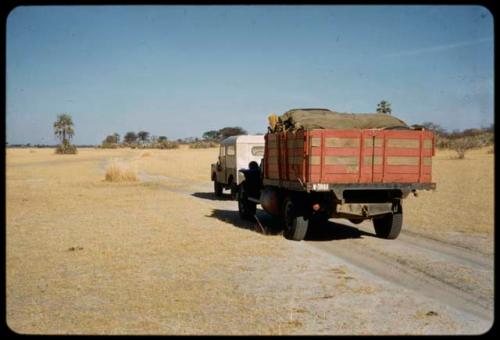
(350, 156)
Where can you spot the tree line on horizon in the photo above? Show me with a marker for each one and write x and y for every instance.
(143, 139)
(458, 140)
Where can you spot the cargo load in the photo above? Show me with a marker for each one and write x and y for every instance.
(309, 119)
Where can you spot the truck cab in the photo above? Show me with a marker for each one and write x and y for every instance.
(235, 153)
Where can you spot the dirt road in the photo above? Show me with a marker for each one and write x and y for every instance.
(453, 275)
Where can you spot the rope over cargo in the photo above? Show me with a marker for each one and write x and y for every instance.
(309, 119)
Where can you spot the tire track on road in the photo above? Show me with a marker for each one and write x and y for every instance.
(422, 280)
(369, 255)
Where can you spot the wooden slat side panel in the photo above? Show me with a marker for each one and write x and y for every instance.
(351, 156)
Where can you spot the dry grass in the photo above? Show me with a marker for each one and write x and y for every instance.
(87, 257)
(120, 172)
(146, 260)
(464, 198)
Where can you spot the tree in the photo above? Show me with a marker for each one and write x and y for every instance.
(384, 107)
(63, 128)
(117, 137)
(130, 137)
(231, 131)
(436, 128)
(143, 136)
(211, 135)
(491, 128)
(162, 139)
(110, 139)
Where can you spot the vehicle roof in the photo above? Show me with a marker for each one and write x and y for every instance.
(243, 139)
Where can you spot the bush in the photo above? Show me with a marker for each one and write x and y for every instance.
(66, 149)
(120, 172)
(469, 139)
(203, 145)
(106, 145)
(167, 145)
(442, 142)
(463, 144)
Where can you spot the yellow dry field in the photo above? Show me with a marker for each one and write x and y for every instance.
(463, 200)
(86, 256)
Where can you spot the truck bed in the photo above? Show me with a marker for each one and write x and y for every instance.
(324, 157)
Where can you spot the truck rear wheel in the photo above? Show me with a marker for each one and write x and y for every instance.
(246, 208)
(217, 188)
(294, 227)
(389, 226)
(234, 191)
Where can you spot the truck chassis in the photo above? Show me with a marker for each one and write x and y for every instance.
(299, 207)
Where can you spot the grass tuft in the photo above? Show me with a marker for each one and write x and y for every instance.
(120, 172)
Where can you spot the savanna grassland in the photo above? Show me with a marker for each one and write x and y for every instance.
(158, 256)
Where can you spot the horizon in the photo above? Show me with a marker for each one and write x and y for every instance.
(180, 71)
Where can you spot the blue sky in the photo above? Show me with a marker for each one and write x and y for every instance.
(179, 71)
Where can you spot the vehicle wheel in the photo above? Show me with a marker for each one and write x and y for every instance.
(217, 188)
(294, 226)
(246, 208)
(389, 226)
(234, 191)
(356, 220)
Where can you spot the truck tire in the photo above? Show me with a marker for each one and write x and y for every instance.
(217, 188)
(294, 227)
(234, 191)
(389, 226)
(246, 208)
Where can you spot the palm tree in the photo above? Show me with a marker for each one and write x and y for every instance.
(384, 107)
(63, 128)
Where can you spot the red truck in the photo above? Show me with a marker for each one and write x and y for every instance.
(358, 174)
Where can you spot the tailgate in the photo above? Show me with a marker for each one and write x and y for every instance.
(349, 156)
(369, 156)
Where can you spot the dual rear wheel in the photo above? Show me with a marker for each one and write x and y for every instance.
(389, 226)
(294, 225)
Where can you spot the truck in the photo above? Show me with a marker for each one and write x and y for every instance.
(311, 174)
(235, 152)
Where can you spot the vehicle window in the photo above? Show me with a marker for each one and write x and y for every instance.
(230, 150)
(258, 151)
(222, 151)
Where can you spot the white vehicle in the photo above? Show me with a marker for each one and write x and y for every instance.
(235, 153)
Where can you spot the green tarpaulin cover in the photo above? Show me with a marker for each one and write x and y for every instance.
(325, 119)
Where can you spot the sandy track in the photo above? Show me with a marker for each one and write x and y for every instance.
(435, 274)
(450, 274)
